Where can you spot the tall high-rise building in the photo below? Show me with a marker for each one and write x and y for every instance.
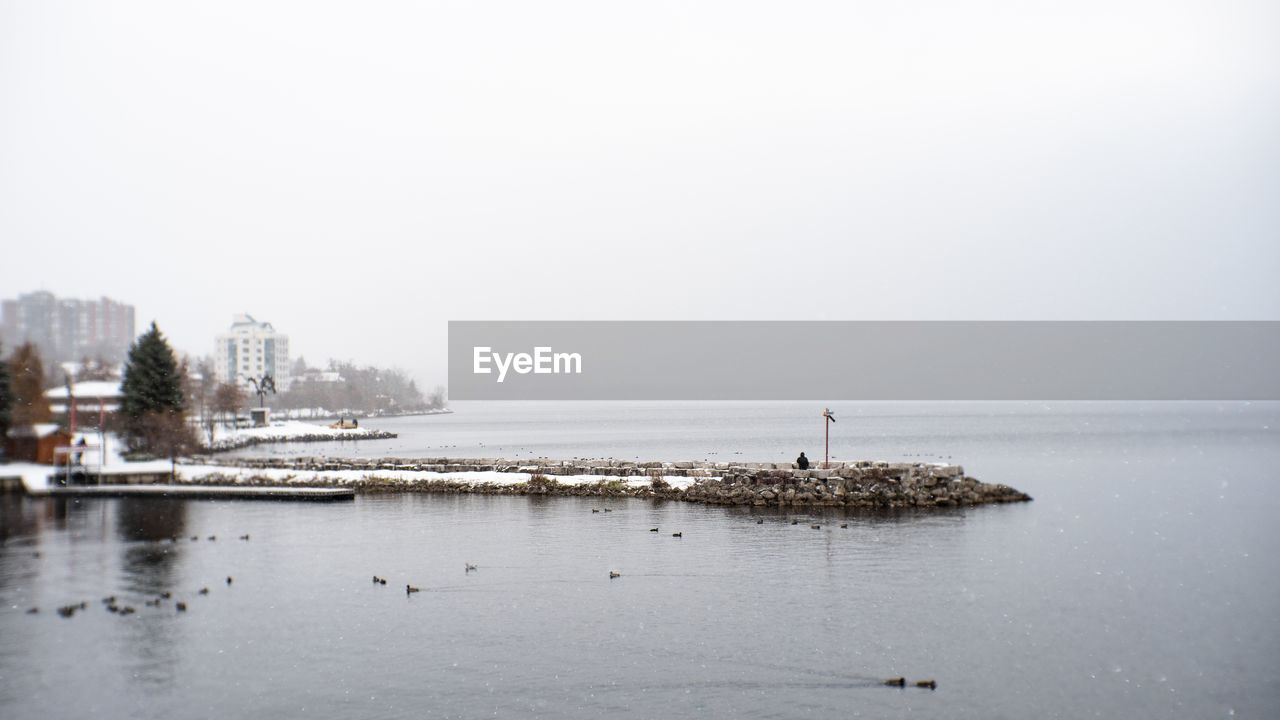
(67, 330)
(251, 349)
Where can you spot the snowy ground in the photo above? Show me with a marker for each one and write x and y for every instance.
(37, 478)
(283, 430)
(189, 473)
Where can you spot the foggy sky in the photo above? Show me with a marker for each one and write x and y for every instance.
(358, 174)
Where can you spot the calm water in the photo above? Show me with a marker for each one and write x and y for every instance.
(1141, 582)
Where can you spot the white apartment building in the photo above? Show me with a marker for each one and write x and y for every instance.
(251, 349)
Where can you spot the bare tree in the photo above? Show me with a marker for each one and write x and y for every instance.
(26, 378)
(200, 387)
(436, 399)
(227, 398)
(358, 389)
(168, 435)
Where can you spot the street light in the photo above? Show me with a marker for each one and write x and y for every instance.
(262, 387)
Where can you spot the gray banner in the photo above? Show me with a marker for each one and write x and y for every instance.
(824, 361)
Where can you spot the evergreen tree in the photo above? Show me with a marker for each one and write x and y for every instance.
(7, 397)
(152, 388)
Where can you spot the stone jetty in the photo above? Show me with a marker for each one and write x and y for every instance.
(849, 484)
(874, 485)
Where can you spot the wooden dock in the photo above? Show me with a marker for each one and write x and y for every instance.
(204, 492)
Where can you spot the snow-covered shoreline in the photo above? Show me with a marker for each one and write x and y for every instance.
(228, 473)
(844, 484)
(856, 485)
(111, 465)
(225, 438)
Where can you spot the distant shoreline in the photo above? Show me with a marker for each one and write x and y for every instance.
(290, 414)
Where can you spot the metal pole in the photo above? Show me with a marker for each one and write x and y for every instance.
(827, 419)
(102, 436)
(71, 408)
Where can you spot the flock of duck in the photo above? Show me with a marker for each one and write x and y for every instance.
(902, 682)
(409, 589)
(112, 603)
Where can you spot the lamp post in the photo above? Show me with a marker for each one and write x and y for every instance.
(826, 446)
(71, 406)
(102, 435)
(262, 387)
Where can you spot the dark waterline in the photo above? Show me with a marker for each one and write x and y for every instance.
(1139, 583)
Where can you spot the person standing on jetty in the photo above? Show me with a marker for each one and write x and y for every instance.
(802, 462)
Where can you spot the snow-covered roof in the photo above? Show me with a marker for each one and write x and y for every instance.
(245, 320)
(39, 430)
(320, 376)
(86, 389)
(90, 407)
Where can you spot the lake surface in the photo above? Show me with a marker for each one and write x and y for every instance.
(1141, 582)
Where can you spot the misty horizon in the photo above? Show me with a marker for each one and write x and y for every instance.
(359, 177)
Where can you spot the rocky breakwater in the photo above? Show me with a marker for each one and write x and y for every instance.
(889, 485)
(854, 484)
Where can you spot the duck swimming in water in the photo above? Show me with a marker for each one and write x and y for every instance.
(411, 589)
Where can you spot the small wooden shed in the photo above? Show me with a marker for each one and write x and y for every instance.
(36, 443)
